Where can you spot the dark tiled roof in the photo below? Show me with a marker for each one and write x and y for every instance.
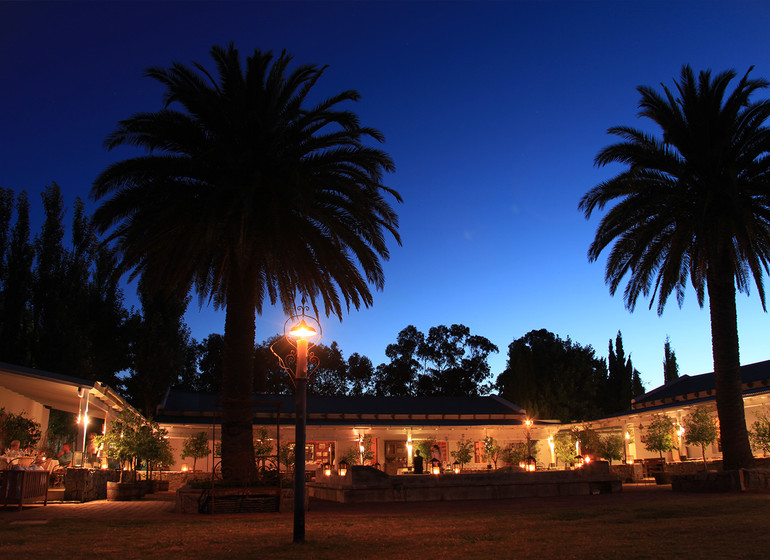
(755, 377)
(181, 406)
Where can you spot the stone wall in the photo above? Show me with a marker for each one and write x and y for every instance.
(365, 484)
(85, 485)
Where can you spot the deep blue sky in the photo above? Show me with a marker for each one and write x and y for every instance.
(493, 113)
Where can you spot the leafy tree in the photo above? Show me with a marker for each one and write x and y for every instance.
(491, 450)
(425, 447)
(17, 426)
(360, 375)
(692, 205)
(464, 452)
(287, 455)
(455, 362)
(659, 435)
(50, 295)
(399, 376)
(564, 447)
(61, 429)
(131, 439)
(16, 284)
(159, 349)
(610, 447)
(619, 378)
(249, 194)
(196, 446)
(518, 452)
(670, 367)
(700, 429)
(207, 378)
(589, 439)
(553, 378)
(263, 447)
(760, 432)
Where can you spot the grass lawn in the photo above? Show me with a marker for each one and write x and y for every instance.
(719, 526)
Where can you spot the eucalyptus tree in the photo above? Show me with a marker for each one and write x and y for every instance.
(250, 193)
(693, 206)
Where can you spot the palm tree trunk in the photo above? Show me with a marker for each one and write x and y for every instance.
(736, 451)
(237, 383)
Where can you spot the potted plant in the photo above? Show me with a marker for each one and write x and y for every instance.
(659, 436)
(196, 446)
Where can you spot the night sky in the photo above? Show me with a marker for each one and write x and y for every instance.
(492, 111)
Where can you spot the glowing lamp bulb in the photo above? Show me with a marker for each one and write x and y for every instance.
(302, 330)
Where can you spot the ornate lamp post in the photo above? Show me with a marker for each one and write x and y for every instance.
(303, 332)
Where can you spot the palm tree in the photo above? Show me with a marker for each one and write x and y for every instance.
(694, 204)
(248, 195)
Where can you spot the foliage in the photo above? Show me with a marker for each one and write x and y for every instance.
(196, 446)
(588, 438)
(133, 440)
(263, 447)
(670, 367)
(365, 451)
(61, 429)
(352, 456)
(316, 223)
(659, 435)
(553, 378)
(518, 452)
(449, 361)
(690, 209)
(621, 375)
(700, 428)
(17, 426)
(425, 447)
(564, 447)
(287, 456)
(760, 432)
(491, 450)
(62, 306)
(610, 447)
(464, 452)
(159, 350)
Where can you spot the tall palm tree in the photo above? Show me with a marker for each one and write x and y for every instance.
(249, 194)
(693, 204)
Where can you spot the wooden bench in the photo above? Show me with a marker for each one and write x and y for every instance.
(19, 487)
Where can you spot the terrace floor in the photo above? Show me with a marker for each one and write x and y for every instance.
(161, 505)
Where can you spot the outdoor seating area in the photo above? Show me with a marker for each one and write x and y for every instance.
(23, 487)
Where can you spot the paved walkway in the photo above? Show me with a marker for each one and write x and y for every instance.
(161, 505)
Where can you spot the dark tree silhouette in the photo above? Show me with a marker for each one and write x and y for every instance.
(670, 367)
(249, 194)
(693, 206)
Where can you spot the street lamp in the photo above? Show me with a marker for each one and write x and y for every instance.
(303, 332)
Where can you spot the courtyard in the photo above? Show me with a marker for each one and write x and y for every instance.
(643, 521)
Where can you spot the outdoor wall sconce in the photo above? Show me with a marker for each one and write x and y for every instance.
(342, 468)
(456, 467)
(579, 461)
(435, 466)
(327, 469)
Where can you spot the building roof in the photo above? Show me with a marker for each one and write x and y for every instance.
(61, 392)
(200, 408)
(755, 378)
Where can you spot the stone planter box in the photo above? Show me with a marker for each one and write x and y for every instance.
(366, 484)
(124, 491)
(235, 500)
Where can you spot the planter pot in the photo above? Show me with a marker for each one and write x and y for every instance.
(662, 478)
(122, 491)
